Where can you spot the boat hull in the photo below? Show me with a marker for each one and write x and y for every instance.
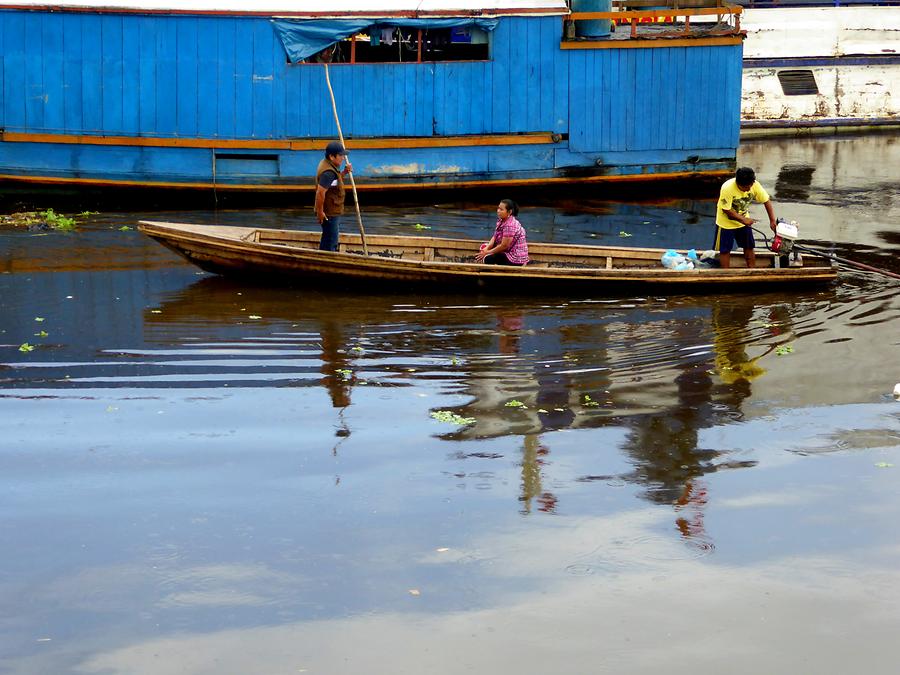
(101, 98)
(402, 262)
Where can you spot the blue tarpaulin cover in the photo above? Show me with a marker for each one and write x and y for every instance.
(304, 37)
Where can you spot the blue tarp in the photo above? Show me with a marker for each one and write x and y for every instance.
(302, 38)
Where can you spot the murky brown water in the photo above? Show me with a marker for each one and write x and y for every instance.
(200, 476)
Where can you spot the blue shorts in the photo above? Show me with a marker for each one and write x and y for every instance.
(726, 239)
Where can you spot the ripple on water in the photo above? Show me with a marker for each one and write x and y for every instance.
(622, 555)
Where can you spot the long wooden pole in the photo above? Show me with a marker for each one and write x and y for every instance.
(845, 261)
(337, 121)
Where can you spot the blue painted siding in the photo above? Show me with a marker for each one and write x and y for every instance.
(13, 29)
(32, 65)
(228, 78)
(146, 75)
(186, 87)
(226, 43)
(131, 68)
(675, 98)
(166, 91)
(52, 71)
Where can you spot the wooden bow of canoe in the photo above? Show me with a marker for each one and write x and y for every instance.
(267, 255)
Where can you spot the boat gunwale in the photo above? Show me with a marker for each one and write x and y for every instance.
(352, 260)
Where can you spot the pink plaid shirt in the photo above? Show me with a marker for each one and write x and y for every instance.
(517, 253)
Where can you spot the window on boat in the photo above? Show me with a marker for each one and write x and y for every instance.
(408, 45)
(798, 82)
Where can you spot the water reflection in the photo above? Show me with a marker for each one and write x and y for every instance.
(336, 373)
(793, 182)
(534, 456)
(256, 469)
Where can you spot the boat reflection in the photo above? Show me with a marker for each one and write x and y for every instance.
(661, 371)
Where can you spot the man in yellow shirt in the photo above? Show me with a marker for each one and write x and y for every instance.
(733, 225)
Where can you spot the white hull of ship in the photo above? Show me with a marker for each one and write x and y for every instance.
(853, 54)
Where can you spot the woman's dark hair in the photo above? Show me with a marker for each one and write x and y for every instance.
(511, 206)
(745, 176)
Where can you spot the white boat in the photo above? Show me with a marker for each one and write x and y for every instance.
(811, 69)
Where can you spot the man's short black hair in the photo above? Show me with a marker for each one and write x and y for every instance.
(745, 176)
(334, 148)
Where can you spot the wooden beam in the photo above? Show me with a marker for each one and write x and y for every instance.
(654, 43)
(654, 13)
(325, 14)
(542, 138)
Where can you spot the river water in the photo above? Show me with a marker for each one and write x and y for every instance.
(202, 476)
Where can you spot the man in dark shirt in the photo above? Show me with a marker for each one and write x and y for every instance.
(330, 194)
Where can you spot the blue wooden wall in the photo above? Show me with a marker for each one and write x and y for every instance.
(226, 77)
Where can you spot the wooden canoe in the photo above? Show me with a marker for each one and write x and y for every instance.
(266, 255)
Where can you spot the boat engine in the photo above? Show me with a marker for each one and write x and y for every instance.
(785, 235)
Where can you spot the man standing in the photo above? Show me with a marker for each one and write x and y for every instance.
(330, 194)
(733, 225)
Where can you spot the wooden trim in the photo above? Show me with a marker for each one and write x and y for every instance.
(654, 43)
(379, 187)
(361, 14)
(143, 141)
(653, 13)
(419, 48)
(540, 138)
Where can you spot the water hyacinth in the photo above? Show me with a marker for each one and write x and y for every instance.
(451, 418)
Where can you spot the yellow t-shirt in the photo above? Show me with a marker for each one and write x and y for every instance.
(731, 197)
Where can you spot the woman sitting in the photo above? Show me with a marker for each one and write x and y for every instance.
(508, 245)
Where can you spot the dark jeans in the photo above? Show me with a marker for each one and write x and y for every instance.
(330, 230)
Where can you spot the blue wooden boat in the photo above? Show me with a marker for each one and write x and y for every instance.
(225, 95)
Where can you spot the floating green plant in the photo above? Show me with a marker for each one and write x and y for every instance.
(784, 349)
(451, 418)
(514, 404)
(57, 221)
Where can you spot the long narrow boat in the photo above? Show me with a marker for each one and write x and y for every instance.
(269, 254)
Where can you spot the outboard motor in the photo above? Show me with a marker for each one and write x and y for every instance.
(785, 235)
